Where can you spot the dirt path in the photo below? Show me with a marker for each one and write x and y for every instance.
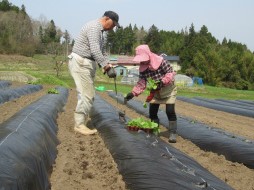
(84, 162)
(240, 125)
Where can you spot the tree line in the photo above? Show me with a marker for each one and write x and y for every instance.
(227, 63)
(19, 34)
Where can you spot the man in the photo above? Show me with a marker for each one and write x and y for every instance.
(88, 50)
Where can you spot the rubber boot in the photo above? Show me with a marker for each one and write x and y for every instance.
(80, 124)
(172, 131)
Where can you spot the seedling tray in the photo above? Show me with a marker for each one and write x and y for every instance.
(135, 128)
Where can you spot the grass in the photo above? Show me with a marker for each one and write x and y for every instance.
(42, 67)
(122, 88)
(49, 79)
(195, 91)
(215, 92)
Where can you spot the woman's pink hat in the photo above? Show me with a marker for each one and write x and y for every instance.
(143, 54)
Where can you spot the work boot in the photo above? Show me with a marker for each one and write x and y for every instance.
(172, 131)
(84, 130)
(80, 124)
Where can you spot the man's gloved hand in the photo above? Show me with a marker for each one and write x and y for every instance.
(129, 96)
(110, 71)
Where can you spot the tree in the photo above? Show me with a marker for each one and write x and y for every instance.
(224, 41)
(67, 40)
(129, 39)
(50, 33)
(16, 35)
(23, 9)
(207, 65)
(172, 42)
(5, 5)
(153, 39)
(139, 34)
(206, 36)
(188, 50)
(111, 41)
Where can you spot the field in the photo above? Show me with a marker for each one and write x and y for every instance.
(84, 162)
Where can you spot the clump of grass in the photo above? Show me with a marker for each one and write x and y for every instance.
(34, 82)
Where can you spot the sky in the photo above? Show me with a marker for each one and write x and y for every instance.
(232, 19)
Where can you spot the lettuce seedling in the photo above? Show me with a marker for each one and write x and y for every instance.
(151, 85)
(144, 124)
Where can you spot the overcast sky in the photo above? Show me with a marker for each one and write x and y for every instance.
(232, 19)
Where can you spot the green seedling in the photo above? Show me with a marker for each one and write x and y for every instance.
(144, 124)
(150, 86)
(53, 91)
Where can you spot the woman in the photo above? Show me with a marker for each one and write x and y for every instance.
(155, 67)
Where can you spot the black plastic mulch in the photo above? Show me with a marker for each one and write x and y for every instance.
(232, 146)
(13, 93)
(145, 161)
(233, 107)
(28, 144)
(4, 84)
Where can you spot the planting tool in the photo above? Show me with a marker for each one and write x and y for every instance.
(121, 114)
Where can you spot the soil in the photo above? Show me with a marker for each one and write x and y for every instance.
(84, 162)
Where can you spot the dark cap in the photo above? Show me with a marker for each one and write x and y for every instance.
(113, 16)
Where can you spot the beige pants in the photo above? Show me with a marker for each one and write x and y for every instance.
(83, 72)
(167, 95)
